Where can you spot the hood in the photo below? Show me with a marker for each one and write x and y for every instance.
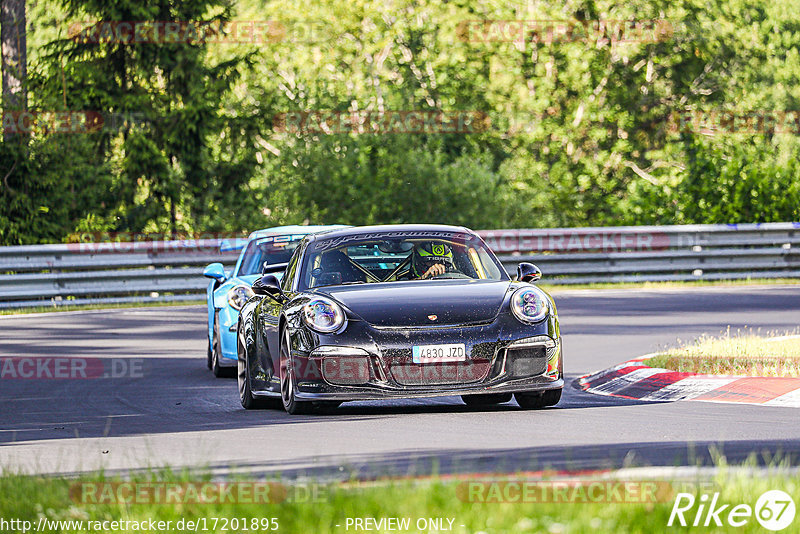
(246, 279)
(249, 278)
(454, 302)
(232, 282)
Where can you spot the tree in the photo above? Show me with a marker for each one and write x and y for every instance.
(15, 64)
(167, 173)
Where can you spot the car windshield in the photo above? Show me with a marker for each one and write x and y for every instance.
(398, 257)
(269, 250)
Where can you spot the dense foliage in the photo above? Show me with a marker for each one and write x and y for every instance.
(581, 129)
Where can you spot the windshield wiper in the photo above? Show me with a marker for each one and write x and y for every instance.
(352, 282)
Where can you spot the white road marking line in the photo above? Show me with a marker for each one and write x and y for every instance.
(688, 388)
(610, 370)
(611, 387)
(788, 400)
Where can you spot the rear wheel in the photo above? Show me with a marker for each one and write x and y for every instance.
(246, 397)
(537, 401)
(486, 399)
(288, 380)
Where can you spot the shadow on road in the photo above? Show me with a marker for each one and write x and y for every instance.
(161, 395)
(643, 302)
(530, 460)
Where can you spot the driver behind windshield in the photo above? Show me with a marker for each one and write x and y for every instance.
(429, 260)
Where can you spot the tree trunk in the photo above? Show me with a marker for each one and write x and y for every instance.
(15, 61)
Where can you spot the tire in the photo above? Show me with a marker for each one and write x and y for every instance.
(216, 353)
(537, 401)
(208, 350)
(290, 402)
(486, 399)
(246, 397)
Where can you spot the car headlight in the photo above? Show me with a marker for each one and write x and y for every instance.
(239, 295)
(529, 304)
(323, 315)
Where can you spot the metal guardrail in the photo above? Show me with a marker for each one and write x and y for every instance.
(653, 253)
(107, 273)
(84, 273)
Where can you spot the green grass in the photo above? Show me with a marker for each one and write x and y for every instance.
(742, 354)
(68, 307)
(555, 288)
(29, 498)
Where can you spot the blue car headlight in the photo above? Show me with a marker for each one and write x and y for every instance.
(323, 315)
(239, 295)
(529, 304)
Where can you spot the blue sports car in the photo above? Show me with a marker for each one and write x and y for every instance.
(264, 251)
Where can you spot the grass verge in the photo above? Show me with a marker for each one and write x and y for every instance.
(331, 508)
(746, 354)
(555, 288)
(84, 307)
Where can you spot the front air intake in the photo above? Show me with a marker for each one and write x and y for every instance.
(525, 362)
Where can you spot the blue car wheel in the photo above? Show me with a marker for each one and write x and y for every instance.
(216, 354)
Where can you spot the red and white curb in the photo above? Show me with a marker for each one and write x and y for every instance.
(634, 379)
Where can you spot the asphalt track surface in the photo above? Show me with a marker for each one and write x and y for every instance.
(171, 411)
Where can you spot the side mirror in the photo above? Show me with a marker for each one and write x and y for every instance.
(528, 272)
(215, 271)
(268, 285)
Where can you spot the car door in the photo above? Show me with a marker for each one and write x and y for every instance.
(269, 313)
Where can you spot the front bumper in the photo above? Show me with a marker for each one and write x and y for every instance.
(337, 393)
(502, 357)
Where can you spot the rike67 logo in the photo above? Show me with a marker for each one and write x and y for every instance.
(774, 510)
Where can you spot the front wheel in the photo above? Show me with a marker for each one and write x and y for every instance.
(288, 380)
(486, 399)
(216, 354)
(537, 401)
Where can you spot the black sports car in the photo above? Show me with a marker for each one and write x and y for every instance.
(396, 312)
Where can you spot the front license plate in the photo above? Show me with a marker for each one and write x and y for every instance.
(439, 353)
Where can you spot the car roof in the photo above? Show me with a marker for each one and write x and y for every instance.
(357, 230)
(294, 229)
(236, 244)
